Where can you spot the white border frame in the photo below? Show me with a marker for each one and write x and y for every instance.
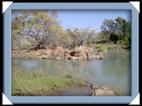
(134, 7)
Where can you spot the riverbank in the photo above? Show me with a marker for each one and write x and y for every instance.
(59, 53)
(41, 84)
(100, 47)
(35, 82)
(96, 51)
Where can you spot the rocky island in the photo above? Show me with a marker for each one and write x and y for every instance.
(59, 53)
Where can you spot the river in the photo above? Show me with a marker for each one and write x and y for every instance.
(113, 71)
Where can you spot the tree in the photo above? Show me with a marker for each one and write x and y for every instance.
(118, 30)
(80, 36)
(38, 24)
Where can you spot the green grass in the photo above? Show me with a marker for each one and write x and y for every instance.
(38, 83)
(120, 92)
(100, 47)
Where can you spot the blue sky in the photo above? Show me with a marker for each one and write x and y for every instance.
(87, 18)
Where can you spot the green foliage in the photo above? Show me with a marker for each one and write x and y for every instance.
(39, 24)
(39, 83)
(44, 28)
(82, 36)
(101, 48)
(119, 30)
(102, 38)
(27, 42)
(120, 91)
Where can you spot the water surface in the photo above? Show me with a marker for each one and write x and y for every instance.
(113, 71)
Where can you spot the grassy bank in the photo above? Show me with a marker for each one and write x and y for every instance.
(120, 92)
(102, 47)
(41, 84)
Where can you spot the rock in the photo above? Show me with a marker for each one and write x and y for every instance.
(99, 92)
(91, 93)
(92, 86)
(104, 91)
(83, 52)
(59, 52)
(105, 88)
(74, 58)
(82, 56)
(49, 52)
(43, 57)
(72, 53)
(109, 93)
(58, 58)
(97, 56)
(67, 54)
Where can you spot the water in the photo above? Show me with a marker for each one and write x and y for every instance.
(113, 71)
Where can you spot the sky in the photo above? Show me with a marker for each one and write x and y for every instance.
(89, 18)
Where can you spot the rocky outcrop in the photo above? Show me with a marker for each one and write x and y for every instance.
(38, 54)
(78, 53)
(83, 52)
(59, 53)
(101, 91)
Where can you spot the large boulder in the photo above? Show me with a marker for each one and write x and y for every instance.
(104, 91)
(67, 54)
(42, 54)
(59, 52)
(83, 56)
(82, 52)
(74, 58)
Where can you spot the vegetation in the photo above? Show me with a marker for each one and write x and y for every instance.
(38, 83)
(33, 30)
(41, 29)
(120, 91)
(42, 26)
(117, 31)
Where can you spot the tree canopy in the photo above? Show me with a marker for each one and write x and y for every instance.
(41, 29)
(43, 26)
(117, 31)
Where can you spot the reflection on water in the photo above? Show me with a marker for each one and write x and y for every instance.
(113, 71)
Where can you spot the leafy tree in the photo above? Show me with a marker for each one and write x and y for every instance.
(40, 25)
(118, 30)
(82, 36)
